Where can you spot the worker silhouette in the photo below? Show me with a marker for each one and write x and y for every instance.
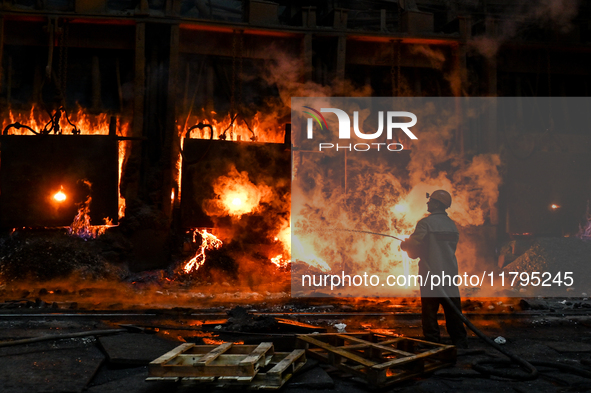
(434, 241)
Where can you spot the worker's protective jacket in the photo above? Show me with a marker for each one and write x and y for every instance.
(436, 238)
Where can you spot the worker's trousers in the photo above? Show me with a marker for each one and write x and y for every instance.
(455, 326)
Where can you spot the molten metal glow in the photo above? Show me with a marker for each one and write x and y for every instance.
(238, 201)
(60, 196)
(208, 242)
(212, 341)
(554, 206)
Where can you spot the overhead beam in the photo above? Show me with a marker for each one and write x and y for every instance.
(379, 54)
(220, 44)
(98, 36)
(531, 61)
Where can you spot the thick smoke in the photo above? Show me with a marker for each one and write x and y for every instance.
(380, 198)
(557, 15)
(287, 74)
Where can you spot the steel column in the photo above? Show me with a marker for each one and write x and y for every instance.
(171, 142)
(341, 60)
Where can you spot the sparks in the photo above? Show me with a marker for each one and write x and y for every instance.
(280, 261)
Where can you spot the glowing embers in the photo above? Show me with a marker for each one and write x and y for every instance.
(208, 242)
(280, 261)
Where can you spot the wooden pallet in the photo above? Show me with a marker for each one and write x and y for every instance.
(379, 359)
(226, 365)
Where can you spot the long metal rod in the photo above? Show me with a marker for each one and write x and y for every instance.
(51, 337)
(371, 233)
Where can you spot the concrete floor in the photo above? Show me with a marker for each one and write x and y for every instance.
(117, 363)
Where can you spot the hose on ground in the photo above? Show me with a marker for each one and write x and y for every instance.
(532, 372)
(529, 366)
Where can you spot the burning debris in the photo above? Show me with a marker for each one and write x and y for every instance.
(208, 242)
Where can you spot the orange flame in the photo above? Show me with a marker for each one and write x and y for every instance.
(208, 242)
(284, 237)
(265, 130)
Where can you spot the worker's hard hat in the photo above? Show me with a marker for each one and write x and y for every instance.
(442, 196)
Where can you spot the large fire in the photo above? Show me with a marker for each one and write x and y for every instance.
(208, 242)
(89, 124)
(344, 191)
